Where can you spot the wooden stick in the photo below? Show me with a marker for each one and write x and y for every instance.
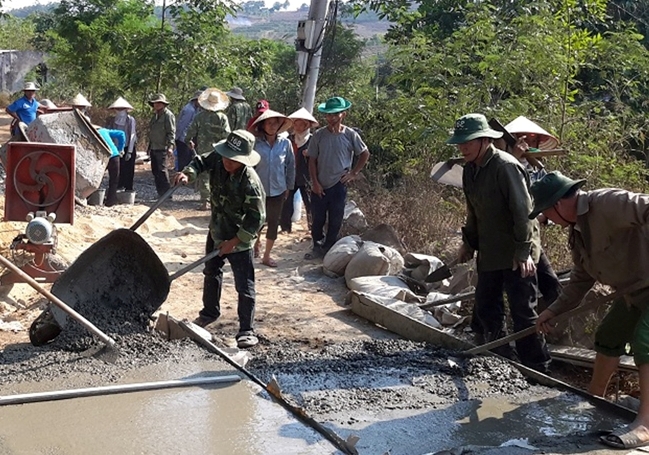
(532, 329)
(58, 302)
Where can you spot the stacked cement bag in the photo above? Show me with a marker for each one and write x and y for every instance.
(336, 260)
(373, 259)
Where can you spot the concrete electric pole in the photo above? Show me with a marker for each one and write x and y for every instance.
(310, 36)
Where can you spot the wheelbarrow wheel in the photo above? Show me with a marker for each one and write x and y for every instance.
(44, 329)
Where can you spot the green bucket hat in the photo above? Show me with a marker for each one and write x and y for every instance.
(239, 146)
(552, 187)
(334, 105)
(472, 126)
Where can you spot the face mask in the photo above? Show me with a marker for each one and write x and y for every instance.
(121, 114)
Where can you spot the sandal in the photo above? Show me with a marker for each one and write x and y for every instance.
(624, 438)
(246, 340)
(269, 262)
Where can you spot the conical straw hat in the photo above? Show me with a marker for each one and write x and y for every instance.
(303, 114)
(80, 100)
(523, 125)
(286, 124)
(120, 103)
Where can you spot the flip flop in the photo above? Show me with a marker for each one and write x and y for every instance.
(270, 263)
(623, 438)
(246, 340)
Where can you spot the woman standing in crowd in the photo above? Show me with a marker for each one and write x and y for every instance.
(121, 120)
(303, 122)
(276, 171)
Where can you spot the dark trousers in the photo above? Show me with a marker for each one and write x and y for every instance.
(126, 172)
(113, 179)
(521, 295)
(273, 212)
(159, 171)
(287, 212)
(330, 206)
(549, 285)
(243, 271)
(184, 153)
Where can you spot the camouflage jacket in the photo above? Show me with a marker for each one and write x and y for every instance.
(239, 112)
(207, 128)
(238, 200)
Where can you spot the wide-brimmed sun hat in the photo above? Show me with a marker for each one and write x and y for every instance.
(240, 147)
(286, 124)
(80, 101)
(158, 98)
(120, 103)
(547, 191)
(303, 114)
(213, 99)
(236, 93)
(334, 105)
(30, 86)
(472, 126)
(524, 126)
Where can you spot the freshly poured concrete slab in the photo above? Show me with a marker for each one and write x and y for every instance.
(231, 419)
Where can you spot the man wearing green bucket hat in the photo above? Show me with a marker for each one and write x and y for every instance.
(497, 227)
(332, 151)
(609, 243)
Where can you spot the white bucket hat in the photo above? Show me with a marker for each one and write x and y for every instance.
(30, 86)
(213, 99)
(272, 114)
(80, 100)
(523, 125)
(120, 103)
(303, 114)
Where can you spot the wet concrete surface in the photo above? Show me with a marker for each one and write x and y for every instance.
(397, 396)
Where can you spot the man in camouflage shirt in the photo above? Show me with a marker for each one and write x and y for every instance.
(238, 213)
(208, 127)
(162, 132)
(239, 111)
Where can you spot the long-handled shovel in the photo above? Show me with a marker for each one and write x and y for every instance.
(154, 207)
(532, 329)
(59, 303)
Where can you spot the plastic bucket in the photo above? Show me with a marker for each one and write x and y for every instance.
(126, 197)
(97, 198)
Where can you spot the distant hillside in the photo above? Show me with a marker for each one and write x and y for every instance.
(279, 25)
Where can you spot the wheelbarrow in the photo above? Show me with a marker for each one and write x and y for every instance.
(117, 283)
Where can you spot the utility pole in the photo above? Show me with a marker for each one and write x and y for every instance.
(312, 33)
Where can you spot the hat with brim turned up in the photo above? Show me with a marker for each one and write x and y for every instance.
(30, 87)
(268, 114)
(524, 126)
(239, 147)
(213, 99)
(334, 105)
(80, 101)
(470, 127)
(303, 114)
(547, 191)
(120, 103)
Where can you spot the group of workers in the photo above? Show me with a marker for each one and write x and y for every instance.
(248, 179)
(608, 241)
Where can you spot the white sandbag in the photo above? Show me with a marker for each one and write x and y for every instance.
(354, 221)
(335, 261)
(369, 261)
(395, 258)
(421, 265)
(384, 286)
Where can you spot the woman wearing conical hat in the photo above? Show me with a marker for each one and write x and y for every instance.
(123, 121)
(80, 103)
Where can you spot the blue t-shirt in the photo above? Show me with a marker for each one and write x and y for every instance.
(108, 136)
(24, 109)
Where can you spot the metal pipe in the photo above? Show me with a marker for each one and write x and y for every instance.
(38, 397)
